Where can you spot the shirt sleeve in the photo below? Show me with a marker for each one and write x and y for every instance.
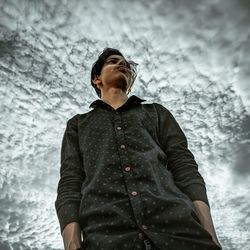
(180, 160)
(71, 176)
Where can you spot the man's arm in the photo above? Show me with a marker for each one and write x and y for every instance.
(183, 166)
(180, 160)
(72, 236)
(203, 212)
(69, 186)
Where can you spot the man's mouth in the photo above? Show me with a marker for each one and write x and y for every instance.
(123, 70)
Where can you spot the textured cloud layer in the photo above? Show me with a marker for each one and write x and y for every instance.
(194, 59)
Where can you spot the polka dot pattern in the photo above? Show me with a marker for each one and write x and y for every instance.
(127, 171)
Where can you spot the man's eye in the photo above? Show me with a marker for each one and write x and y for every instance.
(110, 61)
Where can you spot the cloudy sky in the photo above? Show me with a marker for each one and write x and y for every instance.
(193, 58)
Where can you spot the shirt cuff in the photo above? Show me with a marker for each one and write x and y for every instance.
(197, 191)
(66, 214)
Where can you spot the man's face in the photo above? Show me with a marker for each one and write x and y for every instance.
(115, 73)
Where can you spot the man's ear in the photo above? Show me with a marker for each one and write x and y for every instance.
(96, 80)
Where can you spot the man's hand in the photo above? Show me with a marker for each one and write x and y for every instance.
(210, 228)
(217, 243)
(203, 212)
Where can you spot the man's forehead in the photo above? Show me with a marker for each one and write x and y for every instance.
(116, 56)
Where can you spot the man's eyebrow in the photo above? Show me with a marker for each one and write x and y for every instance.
(116, 58)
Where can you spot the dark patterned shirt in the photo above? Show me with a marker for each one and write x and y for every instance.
(126, 174)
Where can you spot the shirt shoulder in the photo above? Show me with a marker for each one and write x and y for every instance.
(72, 122)
(78, 116)
(161, 109)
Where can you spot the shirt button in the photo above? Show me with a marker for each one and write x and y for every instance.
(122, 146)
(119, 128)
(141, 236)
(144, 227)
(134, 193)
(127, 169)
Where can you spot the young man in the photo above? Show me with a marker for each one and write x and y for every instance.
(128, 179)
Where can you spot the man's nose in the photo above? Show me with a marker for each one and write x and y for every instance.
(121, 62)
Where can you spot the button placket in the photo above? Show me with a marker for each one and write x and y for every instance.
(127, 169)
(141, 235)
(145, 227)
(119, 125)
(134, 193)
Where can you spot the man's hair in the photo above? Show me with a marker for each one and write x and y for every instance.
(97, 66)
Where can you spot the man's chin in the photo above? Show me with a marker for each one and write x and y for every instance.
(120, 84)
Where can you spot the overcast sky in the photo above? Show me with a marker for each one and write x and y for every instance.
(193, 58)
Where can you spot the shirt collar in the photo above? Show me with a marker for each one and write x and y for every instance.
(131, 99)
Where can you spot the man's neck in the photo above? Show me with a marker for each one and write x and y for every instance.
(115, 100)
